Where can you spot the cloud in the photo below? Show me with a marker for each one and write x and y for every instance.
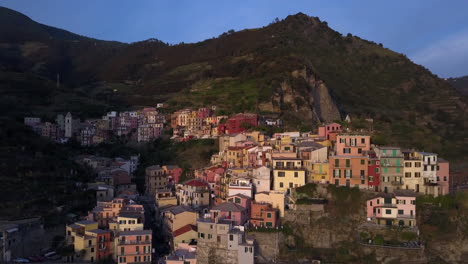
(447, 57)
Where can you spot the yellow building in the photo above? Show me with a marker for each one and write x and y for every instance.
(275, 198)
(288, 173)
(165, 197)
(127, 222)
(317, 171)
(177, 217)
(185, 234)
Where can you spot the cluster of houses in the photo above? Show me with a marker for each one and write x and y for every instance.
(142, 126)
(250, 182)
(203, 123)
(145, 125)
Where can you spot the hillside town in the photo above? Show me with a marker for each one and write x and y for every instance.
(251, 184)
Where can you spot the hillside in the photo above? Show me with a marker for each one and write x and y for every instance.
(460, 84)
(298, 69)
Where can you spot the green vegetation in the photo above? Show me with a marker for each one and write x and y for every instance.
(346, 200)
(38, 176)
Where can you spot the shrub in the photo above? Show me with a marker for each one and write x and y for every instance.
(379, 240)
(409, 236)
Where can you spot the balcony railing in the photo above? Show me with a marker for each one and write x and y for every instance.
(387, 205)
(134, 242)
(397, 183)
(406, 216)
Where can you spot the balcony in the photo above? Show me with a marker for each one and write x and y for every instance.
(406, 216)
(398, 183)
(386, 205)
(289, 168)
(134, 242)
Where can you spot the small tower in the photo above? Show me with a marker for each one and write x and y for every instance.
(68, 125)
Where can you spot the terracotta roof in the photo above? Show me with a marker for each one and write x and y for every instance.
(196, 183)
(228, 207)
(184, 230)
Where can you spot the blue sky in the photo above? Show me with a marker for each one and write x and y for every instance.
(433, 33)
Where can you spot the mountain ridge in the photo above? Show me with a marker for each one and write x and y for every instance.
(297, 69)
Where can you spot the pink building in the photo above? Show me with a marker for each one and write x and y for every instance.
(173, 172)
(134, 246)
(242, 200)
(393, 209)
(324, 130)
(230, 211)
(352, 145)
(443, 176)
(203, 113)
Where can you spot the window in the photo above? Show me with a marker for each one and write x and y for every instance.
(268, 215)
(359, 150)
(337, 163)
(413, 202)
(231, 237)
(362, 173)
(417, 174)
(281, 185)
(347, 150)
(92, 249)
(398, 169)
(388, 211)
(342, 140)
(363, 141)
(370, 203)
(89, 242)
(218, 239)
(246, 249)
(281, 174)
(122, 250)
(202, 235)
(376, 170)
(296, 174)
(336, 173)
(137, 249)
(290, 185)
(363, 162)
(408, 164)
(210, 236)
(417, 164)
(269, 224)
(385, 170)
(237, 200)
(348, 163)
(445, 178)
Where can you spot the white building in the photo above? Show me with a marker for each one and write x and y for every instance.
(241, 186)
(261, 179)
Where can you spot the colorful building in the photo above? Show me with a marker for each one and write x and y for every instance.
(264, 215)
(391, 168)
(134, 246)
(288, 173)
(393, 209)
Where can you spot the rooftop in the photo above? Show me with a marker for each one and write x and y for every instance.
(184, 230)
(228, 207)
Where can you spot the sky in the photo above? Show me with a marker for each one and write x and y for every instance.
(433, 33)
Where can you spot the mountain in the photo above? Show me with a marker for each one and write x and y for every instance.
(298, 69)
(460, 84)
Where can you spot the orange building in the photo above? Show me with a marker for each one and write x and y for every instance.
(351, 171)
(262, 214)
(352, 145)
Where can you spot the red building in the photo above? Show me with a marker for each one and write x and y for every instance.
(373, 171)
(103, 243)
(238, 122)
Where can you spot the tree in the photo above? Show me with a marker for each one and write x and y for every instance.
(231, 31)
